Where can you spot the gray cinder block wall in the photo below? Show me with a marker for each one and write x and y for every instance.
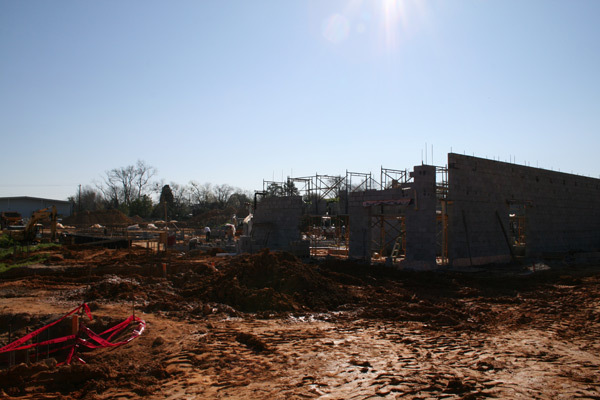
(421, 219)
(419, 211)
(359, 233)
(561, 210)
(276, 222)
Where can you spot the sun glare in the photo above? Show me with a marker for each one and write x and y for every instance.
(390, 21)
(401, 18)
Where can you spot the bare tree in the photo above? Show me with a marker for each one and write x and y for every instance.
(180, 194)
(125, 184)
(143, 174)
(87, 199)
(124, 177)
(222, 194)
(201, 193)
(110, 191)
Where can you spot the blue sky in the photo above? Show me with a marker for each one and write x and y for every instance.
(240, 91)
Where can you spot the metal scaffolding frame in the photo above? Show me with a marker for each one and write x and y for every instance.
(393, 178)
(304, 187)
(316, 188)
(365, 181)
(441, 182)
(391, 240)
(267, 184)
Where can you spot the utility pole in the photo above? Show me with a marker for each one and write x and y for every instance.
(79, 197)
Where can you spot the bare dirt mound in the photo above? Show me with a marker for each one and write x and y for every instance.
(136, 219)
(102, 217)
(278, 282)
(266, 281)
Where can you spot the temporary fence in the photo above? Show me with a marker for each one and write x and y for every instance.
(83, 338)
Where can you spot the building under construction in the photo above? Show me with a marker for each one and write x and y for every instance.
(472, 211)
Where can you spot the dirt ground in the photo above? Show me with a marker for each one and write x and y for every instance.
(270, 326)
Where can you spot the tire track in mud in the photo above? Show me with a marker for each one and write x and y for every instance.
(363, 359)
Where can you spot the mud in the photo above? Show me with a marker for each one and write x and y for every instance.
(270, 325)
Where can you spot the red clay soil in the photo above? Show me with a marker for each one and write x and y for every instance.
(102, 217)
(270, 325)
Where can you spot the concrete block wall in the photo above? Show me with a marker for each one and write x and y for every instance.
(562, 210)
(276, 222)
(420, 217)
(359, 234)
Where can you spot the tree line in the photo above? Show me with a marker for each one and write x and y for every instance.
(135, 190)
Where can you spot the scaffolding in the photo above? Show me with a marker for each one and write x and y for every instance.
(273, 187)
(394, 178)
(388, 237)
(326, 220)
(359, 181)
(441, 182)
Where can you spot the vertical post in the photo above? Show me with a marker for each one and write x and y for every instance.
(37, 352)
(75, 324)
(10, 354)
(27, 351)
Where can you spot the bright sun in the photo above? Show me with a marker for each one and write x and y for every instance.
(391, 20)
(400, 17)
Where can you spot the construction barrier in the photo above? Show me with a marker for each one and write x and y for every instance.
(92, 341)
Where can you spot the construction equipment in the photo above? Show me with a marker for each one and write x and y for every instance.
(29, 234)
(8, 218)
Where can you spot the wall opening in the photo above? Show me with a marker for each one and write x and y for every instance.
(388, 233)
(517, 232)
(441, 234)
(327, 235)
